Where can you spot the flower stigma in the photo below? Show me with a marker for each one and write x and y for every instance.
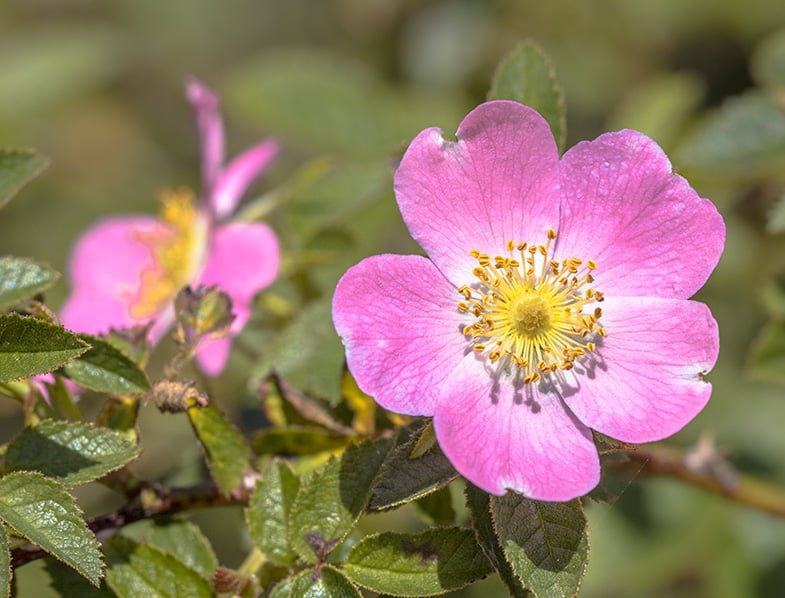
(531, 310)
(177, 246)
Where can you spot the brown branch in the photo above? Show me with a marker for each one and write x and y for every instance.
(703, 467)
(154, 501)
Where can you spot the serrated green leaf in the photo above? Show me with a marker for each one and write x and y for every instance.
(5, 565)
(405, 477)
(526, 75)
(744, 138)
(225, 450)
(425, 564)
(330, 502)
(41, 510)
(104, 368)
(328, 583)
(333, 106)
(17, 168)
(22, 278)
(768, 61)
(283, 588)
(71, 452)
(179, 538)
(545, 543)
(268, 512)
(479, 505)
(29, 346)
(142, 570)
(767, 357)
(296, 440)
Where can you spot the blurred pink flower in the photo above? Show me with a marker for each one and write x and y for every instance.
(554, 302)
(126, 270)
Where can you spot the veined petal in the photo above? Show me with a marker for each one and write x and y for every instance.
(647, 229)
(499, 436)
(646, 380)
(105, 269)
(498, 182)
(233, 181)
(209, 125)
(397, 317)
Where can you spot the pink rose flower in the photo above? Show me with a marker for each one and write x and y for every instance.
(554, 302)
(126, 270)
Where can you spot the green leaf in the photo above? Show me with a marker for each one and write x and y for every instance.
(526, 75)
(5, 565)
(104, 368)
(407, 475)
(224, 447)
(744, 138)
(41, 510)
(179, 538)
(29, 346)
(330, 502)
(437, 507)
(768, 62)
(67, 582)
(545, 543)
(767, 357)
(332, 105)
(22, 278)
(17, 168)
(479, 505)
(296, 441)
(72, 453)
(142, 570)
(268, 512)
(424, 564)
(328, 583)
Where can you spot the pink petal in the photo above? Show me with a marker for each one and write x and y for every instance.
(498, 182)
(105, 269)
(243, 259)
(397, 317)
(209, 125)
(233, 181)
(647, 229)
(647, 383)
(499, 436)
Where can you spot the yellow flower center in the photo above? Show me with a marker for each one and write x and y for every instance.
(531, 310)
(178, 250)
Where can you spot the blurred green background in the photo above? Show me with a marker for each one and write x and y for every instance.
(344, 84)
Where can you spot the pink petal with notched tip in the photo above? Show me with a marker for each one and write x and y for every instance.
(498, 182)
(105, 271)
(243, 259)
(209, 124)
(501, 437)
(233, 181)
(647, 229)
(397, 317)
(647, 382)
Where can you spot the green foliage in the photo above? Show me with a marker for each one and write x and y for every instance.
(29, 346)
(526, 75)
(23, 278)
(768, 62)
(327, 583)
(331, 501)
(545, 543)
(767, 356)
(41, 510)
(17, 168)
(5, 565)
(425, 564)
(268, 512)
(225, 449)
(745, 138)
(406, 475)
(104, 368)
(144, 570)
(72, 453)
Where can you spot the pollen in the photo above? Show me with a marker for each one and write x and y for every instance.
(530, 310)
(177, 248)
